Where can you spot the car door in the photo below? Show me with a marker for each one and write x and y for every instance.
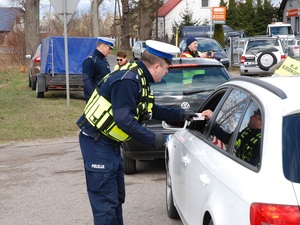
(211, 166)
(178, 169)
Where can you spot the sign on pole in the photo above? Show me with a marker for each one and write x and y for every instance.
(64, 6)
(219, 15)
(65, 9)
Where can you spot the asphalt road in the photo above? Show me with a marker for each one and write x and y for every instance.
(42, 182)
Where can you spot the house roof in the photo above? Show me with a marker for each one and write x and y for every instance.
(167, 7)
(8, 17)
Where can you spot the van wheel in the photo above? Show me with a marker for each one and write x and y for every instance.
(266, 60)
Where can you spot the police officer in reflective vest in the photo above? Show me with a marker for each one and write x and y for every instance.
(115, 113)
(247, 145)
(96, 66)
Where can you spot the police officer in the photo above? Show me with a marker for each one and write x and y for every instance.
(96, 66)
(247, 145)
(114, 114)
(191, 50)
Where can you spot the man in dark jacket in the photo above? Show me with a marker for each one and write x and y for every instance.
(114, 114)
(96, 66)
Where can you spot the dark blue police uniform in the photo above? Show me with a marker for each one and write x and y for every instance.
(102, 159)
(94, 68)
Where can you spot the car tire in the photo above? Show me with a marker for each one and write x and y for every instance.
(38, 94)
(211, 222)
(133, 56)
(33, 85)
(129, 164)
(266, 60)
(171, 209)
(29, 81)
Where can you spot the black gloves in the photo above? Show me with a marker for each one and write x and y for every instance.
(159, 141)
(189, 114)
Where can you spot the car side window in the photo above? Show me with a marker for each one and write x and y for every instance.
(247, 144)
(227, 118)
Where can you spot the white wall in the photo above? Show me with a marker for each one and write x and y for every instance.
(201, 14)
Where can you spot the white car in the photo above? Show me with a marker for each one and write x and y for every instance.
(137, 49)
(208, 182)
(260, 54)
(294, 48)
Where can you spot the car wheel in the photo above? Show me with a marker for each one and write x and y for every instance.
(38, 94)
(129, 164)
(33, 85)
(211, 222)
(133, 56)
(266, 60)
(29, 81)
(171, 209)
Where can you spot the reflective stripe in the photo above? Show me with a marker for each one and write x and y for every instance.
(98, 110)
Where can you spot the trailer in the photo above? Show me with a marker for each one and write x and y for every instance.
(52, 74)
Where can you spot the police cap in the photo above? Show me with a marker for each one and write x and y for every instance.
(162, 50)
(108, 41)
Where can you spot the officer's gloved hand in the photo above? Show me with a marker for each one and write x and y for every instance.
(189, 114)
(159, 141)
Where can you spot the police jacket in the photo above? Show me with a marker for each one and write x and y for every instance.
(94, 68)
(247, 146)
(124, 93)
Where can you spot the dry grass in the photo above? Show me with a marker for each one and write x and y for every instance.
(25, 117)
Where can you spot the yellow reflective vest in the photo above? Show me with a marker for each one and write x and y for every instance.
(98, 110)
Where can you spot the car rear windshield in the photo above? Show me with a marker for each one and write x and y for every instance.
(291, 147)
(255, 46)
(191, 78)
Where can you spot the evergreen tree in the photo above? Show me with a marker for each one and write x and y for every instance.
(186, 19)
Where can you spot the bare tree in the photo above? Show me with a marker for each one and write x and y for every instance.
(95, 16)
(125, 22)
(31, 26)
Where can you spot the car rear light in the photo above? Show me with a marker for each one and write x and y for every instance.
(272, 214)
(243, 59)
(296, 47)
(283, 57)
(37, 59)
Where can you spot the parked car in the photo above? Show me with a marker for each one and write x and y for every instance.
(294, 48)
(260, 54)
(207, 183)
(188, 82)
(34, 67)
(137, 49)
(208, 44)
(238, 46)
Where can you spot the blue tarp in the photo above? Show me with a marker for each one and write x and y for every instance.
(53, 54)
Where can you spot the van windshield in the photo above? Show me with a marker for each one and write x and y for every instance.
(282, 30)
(291, 147)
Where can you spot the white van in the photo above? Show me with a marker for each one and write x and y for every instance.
(281, 30)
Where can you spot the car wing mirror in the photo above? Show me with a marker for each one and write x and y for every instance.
(170, 127)
(27, 56)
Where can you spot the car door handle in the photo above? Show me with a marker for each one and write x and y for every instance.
(204, 179)
(186, 160)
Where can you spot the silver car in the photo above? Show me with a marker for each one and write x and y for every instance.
(138, 48)
(260, 54)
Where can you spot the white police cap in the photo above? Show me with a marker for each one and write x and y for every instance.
(161, 49)
(108, 41)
